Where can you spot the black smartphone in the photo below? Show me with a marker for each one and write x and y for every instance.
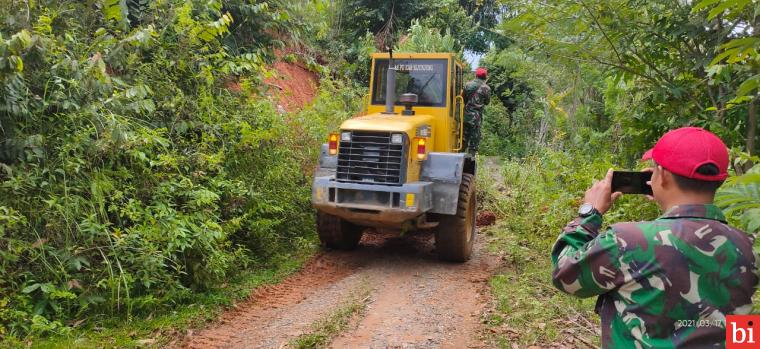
(628, 182)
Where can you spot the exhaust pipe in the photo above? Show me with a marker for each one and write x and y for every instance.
(390, 86)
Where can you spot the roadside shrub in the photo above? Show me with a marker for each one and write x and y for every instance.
(131, 177)
(500, 135)
(544, 190)
(739, 197)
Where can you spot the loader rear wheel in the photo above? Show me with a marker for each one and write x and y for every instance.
(455, 235)
(338, 233)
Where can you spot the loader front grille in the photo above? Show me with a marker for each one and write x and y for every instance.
(370, 157)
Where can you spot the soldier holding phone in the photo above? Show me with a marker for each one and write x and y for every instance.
(656, 279)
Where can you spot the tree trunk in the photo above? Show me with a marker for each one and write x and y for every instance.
(752, 127)
(544, 126)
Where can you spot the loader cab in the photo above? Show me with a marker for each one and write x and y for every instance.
(427, 78)
(437, 80)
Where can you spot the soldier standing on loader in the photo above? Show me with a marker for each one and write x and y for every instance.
(476, 96)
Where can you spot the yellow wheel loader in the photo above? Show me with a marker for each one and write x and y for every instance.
(402, 166)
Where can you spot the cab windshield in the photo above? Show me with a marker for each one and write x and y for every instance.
(424, 77)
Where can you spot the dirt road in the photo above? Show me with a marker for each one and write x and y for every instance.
(414, 301)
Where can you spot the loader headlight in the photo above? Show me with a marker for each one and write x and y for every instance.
(424, 131)
(397, 138)
(345, 137)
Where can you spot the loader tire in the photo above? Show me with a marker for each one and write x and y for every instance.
(455, 234)
(337, 233)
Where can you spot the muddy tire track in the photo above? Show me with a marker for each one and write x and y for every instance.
(416, 301)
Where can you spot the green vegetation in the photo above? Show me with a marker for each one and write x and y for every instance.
(160, 330)
(740, 200)
(586, 85)
(646, 66)
(132, 178)
(602, 80)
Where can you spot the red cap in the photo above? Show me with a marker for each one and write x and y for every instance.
(481, 73)
(684, 150)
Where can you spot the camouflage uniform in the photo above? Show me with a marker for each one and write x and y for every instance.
(476, 95)
(685, 265)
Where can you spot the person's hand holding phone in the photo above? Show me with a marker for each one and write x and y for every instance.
(600, 194)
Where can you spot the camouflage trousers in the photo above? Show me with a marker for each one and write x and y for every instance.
(472, 122)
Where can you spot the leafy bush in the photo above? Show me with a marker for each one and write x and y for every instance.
(739, 198)
(130, 176)
(423, 39)
(547, 187)
(501, 133)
